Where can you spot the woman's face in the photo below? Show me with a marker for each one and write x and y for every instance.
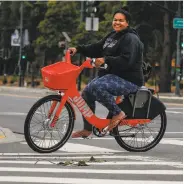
(119, 22)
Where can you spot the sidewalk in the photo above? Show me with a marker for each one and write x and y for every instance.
(7, 136)
(164, 97)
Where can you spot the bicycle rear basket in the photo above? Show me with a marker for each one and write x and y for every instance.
(59, 75)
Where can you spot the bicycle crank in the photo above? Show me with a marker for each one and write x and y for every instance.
(98, 133)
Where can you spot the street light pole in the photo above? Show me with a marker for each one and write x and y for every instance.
(20, 48)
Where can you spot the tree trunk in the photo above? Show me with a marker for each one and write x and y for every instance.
(165, 64)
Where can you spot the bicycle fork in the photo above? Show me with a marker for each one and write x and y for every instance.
(51, 110)
(58, 111)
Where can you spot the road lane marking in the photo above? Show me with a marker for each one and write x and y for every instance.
(92, 171)
(174, 104)
(173, 132)
(21, 96)
(72, 147)
(52, 180)
(12, 114)
(174, 112)
(103, 155)
(173, 142)
(51, 154)
(75, 147)
(42, 162)
(171, 97)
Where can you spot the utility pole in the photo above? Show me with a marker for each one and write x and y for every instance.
(93, 70)
(178, 52)
(20, 48)
(92, 24)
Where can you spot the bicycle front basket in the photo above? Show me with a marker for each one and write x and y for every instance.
(59, 75)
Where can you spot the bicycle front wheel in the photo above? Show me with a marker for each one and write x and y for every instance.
(141, 138)
(37, 131)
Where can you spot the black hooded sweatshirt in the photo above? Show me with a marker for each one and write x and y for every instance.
(122, 52)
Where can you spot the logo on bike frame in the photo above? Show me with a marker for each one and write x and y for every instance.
(83, 107)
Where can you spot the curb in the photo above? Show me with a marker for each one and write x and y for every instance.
(7, 136)
(171, 99)
(24, 90)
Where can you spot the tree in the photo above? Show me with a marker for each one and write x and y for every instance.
(154, 24)
(47, 20)
(104, 12)
(33, 13)
(5, 24)
(6, 30)
(165, 64)
(59, 17)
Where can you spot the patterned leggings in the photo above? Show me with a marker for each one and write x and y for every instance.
(103, 89)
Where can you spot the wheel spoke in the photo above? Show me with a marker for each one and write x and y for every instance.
(43, 136)
(141, 137)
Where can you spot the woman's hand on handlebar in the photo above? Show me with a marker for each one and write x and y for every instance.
(99, 62)
(72, 50)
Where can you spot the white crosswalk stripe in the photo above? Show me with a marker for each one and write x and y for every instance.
(73, 147)
(111, 168)
(79, 181)
(112, 165)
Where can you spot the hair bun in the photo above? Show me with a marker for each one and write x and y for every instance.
(125, 11)
(125, 8)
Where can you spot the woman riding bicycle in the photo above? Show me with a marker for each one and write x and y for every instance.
(122, 51)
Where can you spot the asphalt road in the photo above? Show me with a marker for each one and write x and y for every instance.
(163, 164)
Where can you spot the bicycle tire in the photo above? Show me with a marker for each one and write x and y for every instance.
(151, 145)
(30, 115)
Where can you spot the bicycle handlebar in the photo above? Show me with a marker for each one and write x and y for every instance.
(93, 64)
(67, 56)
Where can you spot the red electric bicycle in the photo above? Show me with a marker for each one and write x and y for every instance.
(50, 121)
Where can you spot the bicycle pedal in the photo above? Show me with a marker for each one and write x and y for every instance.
(105, 130)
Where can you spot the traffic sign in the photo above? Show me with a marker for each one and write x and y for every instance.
(15, 38)
(92, 24)
(178, 23)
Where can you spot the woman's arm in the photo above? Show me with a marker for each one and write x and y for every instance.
(92, 50)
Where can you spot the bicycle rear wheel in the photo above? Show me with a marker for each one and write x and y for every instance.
(39, 135)
(142, 137)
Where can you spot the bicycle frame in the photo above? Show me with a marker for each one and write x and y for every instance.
(74, 96)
